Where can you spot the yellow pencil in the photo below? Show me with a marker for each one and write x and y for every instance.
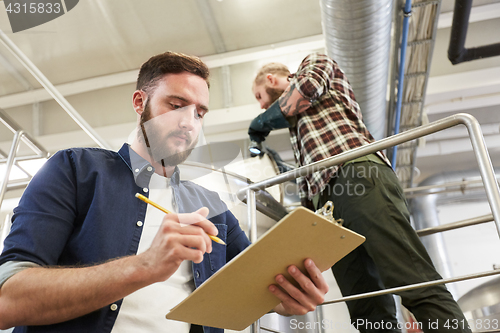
(166, 211)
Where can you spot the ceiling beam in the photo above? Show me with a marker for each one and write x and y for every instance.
(462, 145)
(128, 77)
(315, 42)
(462, 91)
(5, 63)
(68, 89)
(465, 103)
(265, 51)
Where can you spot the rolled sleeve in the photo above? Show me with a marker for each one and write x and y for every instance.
(10, 268)
(314, 76)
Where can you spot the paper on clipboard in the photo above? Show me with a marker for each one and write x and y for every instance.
(237, 295)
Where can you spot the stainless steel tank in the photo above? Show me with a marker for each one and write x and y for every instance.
(481, 306)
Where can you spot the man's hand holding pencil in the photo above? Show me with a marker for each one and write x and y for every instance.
(189, 236)
(187, 219)
(180, 237)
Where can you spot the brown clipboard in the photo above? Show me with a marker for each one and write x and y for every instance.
(237, 295)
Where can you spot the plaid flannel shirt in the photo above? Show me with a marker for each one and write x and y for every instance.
(331, 125)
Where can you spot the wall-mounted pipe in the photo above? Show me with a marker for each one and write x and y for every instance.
(457, 52)
(401, 75)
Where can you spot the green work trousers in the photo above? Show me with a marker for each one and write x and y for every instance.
(370, 200)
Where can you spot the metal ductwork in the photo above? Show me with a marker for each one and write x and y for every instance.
(424, 210)
(358, 38)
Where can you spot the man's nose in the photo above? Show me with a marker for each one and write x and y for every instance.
(187, 117)
(263, 105)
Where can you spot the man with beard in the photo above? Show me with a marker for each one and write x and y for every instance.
(84, 255)
(318, 106)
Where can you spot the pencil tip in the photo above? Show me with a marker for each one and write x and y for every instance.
(137, 195)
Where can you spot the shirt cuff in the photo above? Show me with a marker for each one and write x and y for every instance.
(8, 269)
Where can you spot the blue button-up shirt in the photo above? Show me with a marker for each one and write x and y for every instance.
(80, 209)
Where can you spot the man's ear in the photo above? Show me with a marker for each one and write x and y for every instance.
(271, 79)
(139, 98)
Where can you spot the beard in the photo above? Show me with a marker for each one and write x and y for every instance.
(274, 94)
(155, 140)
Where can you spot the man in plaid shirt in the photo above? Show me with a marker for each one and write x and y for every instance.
(317, 104)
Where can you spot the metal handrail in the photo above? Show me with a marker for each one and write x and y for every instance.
(34, 145)
(458, 186)
(477, 141)
(10, 163)
(413, 286)
(406, 288)
(485, 167)
(456, 225)
(461, 183)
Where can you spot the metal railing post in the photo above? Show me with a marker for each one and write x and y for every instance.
(252, 234)
(485, 166)
(10, 163)
(252, 215)
(255, 327)
(35, 146)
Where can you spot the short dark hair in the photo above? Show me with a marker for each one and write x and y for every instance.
(169, 63)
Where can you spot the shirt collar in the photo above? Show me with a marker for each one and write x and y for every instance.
(141, 168)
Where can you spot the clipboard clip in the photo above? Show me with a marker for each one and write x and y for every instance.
(327, 212)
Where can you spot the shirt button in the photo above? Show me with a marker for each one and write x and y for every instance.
(139, 223)
(145, 189)
(150, 168)
(136, 170)
(113, 307)
(197, 274)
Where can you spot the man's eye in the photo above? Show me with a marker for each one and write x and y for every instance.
(199, 115)
(175, 106)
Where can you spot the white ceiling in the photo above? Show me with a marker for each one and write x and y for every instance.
(92, 54)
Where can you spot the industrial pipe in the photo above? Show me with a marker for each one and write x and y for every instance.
(457, 52)
(399, 100)
(10, 163)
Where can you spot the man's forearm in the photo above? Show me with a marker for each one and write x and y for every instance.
(292, 102)
(42, 296)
